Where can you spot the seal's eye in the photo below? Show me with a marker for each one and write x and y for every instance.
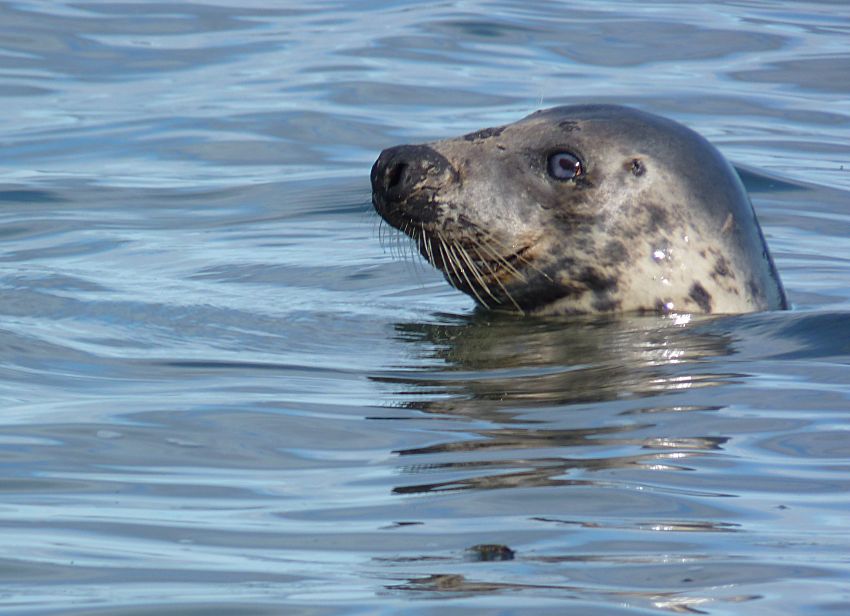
(565, 166)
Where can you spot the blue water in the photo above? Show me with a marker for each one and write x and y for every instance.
(226, 389)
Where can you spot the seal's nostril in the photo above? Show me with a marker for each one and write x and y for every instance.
(405, 179)
(396, 174)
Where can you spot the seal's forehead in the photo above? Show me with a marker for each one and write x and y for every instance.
(605, 113)
(623, 125)
(614, 123)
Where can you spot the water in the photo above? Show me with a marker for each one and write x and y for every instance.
(222, 393)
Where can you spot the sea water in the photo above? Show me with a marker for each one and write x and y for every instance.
(226, 388)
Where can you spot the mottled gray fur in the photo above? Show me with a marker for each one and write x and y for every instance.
(656, 221)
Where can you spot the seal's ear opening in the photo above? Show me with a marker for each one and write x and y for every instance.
(637, 167)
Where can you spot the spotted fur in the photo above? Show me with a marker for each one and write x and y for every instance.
(656, 220)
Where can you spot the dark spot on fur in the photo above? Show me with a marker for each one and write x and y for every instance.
(701, 297)
(569, 220)
(721, 269)
(549, 294)
(606, 304)
(637, 168)
(615, 251)
(594, 280)
(630, 232)
(486, 133)
(657, 217)
(568, 125)
(755, 291)
(571, 289)
(465, 223)
(582, 243)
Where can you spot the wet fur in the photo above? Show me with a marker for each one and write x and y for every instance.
(659, 221)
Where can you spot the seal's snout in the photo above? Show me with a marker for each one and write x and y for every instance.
(405, 180)
(392, 174)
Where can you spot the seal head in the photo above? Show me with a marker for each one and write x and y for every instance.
(582, 209)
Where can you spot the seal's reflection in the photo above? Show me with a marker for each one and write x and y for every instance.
(518, 374)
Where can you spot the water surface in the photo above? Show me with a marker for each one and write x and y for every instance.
(226, 389)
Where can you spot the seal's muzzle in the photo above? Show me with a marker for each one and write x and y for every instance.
(405, 180)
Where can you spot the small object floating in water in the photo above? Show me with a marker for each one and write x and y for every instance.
(489, 551)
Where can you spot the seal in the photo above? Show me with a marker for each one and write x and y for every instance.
(582, 209)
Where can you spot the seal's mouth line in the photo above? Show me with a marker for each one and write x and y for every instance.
(496, 265)
(471, 259)
(456, 256)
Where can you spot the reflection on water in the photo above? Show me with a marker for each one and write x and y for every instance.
(498, 362)
(673, 602)
(624, 433)
(500, 368)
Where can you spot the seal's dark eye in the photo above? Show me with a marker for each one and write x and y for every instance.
(565, 166)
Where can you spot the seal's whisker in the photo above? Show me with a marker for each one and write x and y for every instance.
(496, 250)
(452, 261)
(427, 241)
(456, 260)
(416, 235)
(410, 247)
(400, 245)
(499, 282)
(447, 263)
(399, 250)
(502, 261)
(382, 236)
(396, 247)
(455, 266)
(519, 257)
(422, 243)
(476, 273)
(404, 247)
(529, 263)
